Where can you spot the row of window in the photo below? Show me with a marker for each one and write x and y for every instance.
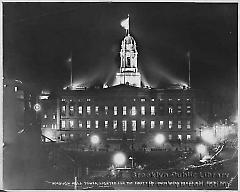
(170, 136)
(123, 110)
(134, 99)
(124, 123)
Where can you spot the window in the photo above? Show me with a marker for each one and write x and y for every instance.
(88, 99)
(106, 110)
(124, 125)
(188, 124)
(89, 110)
(169, 99)
(71, 136)
(115, 124)
(133, 111)
(88, 124)
(45, 116)
(170, 110)
(71, 110)
(115, 110)
(179, 108)
(152, 124)
(54, 116)
(142, 100)
(152, 100)
(169, 137)
(161, 110)
(97, 110)
(143, 123)
(152, 110)
(63, 110)
(96, 124)
(134, 125)
(63, 124)
(124, 110)
(179, 137)
(188, 109)
(106, 124)
(188, 137)
(80, 125)
(71, 123)
(170, 123)
(179, 124)
(15, 89)
(161, 124)
(142, 110)
(80, 110)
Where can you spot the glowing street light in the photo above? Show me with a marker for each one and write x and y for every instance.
(119, 159)
(208, 136)
(159, 139)
(95, 139)
(37, 107)
(201, 149)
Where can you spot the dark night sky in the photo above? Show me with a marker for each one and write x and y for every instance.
(39, 37)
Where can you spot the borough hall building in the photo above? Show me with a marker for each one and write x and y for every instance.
(125, 112)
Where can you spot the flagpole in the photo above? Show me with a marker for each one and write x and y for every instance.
(128, 24)
(189, 71)
(71, 77)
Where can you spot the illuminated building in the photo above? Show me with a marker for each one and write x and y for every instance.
(124, 112)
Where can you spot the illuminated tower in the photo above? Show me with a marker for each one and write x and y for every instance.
(128, 73)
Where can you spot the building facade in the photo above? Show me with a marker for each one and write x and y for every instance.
(124, 112)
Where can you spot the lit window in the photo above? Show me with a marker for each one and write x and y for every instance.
(179, 108)
(152, 124)
(188, 124)
(134, 110)
(188, 137)
(134, 125)
(169, 99)
(161, 124)
(80, 125)
(71, 123)
(169, 137)
(124, 125)
(124, 110)
(88, 99)
(96, 124)
(45, 116)
(63, 125)
(106, 110)
(106, 124)
(54, 116)
(115, 124)
(179, 137)
(142, 110)
(71, 110)
(80, 110)
(71, 136)
(179, 99)
(96, 110)
(15, 89)
(115, 110)
(63, 100)
(152, 99)
(88, 110)
(188, 109)
(143, 100)
(179, 124)
(170, 110)
(161, 99)
(152, 110)
(143, 123)
(44, 126)
(63, 110)
(170, 123)
(188, 99)
(88, 124)
(55, 126)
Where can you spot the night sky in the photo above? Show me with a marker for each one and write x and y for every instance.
(40, 37)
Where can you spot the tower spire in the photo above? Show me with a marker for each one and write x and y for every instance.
(128, 25)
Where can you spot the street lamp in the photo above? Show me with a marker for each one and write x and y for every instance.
(159, 139)
(201, 149)
(94, 139)
(119, 159)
